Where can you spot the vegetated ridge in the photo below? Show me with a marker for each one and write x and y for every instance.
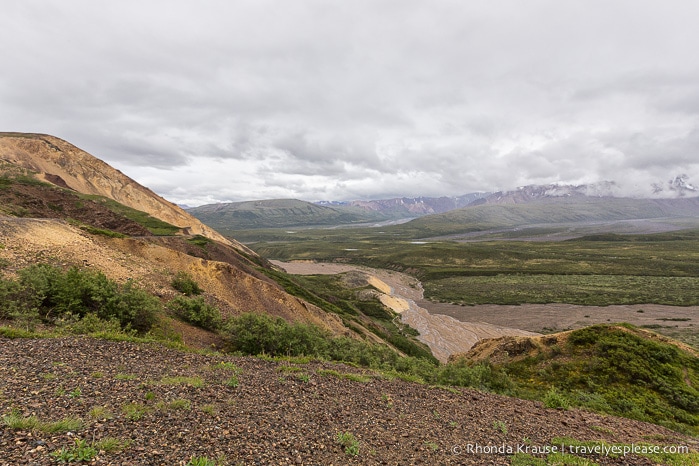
(618, 369)
(62, 164)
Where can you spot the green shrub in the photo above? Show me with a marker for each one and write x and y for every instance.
(185, 284)
(196, 311)
(262, 334)
(349, 441)
(482, 376)
(555, 399)
(253, 334)
(200, 241)
(91, 324)
(76, 293)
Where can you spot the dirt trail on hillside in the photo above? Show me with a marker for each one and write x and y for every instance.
(444, 334)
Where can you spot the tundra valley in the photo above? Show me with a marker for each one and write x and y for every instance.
(550, 325)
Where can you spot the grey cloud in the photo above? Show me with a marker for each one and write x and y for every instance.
(334, 99)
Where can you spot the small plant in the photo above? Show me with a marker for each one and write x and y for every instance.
(555, 399)
(225, 365)
(75, 393)
(149, 396)
(209, 409)
(122, 376)
(111, 445)
(349, 441)
(63, 425)
(196, 382)
(180, 404)
(500, 426)
(79, 453)
(97, 375)
(16, 421)
(432, 446)
(201, 461)
(100, 412)
(185, 284)
(134, 411)
(206, 461)
(232, 381)
(303, 377)
(344, 375)
(386, 398)
(604, 430)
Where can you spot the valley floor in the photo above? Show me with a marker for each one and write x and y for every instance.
(452, 329)
(163, 407)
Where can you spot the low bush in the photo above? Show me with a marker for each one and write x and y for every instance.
(196, 311)
(185, 284)
(53, 294)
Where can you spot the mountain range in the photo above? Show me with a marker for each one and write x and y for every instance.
(553, 204)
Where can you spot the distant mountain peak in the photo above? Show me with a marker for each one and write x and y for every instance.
(678, 185)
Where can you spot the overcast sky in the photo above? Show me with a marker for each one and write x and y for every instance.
(206, 101)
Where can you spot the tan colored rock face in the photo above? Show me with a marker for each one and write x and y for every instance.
(65, 165)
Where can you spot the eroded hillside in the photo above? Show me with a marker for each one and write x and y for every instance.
(62, 164)
(235, 288)
(61, 206)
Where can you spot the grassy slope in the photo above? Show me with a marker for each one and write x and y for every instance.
(80, 204)
(615, 369)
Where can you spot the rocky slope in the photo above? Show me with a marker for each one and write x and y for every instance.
(163, 407)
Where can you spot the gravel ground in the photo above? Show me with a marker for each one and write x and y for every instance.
(252, 411)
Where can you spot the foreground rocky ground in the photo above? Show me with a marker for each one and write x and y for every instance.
(162, 407)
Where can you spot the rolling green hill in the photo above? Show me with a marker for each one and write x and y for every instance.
(277, 213)
(552, 211)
